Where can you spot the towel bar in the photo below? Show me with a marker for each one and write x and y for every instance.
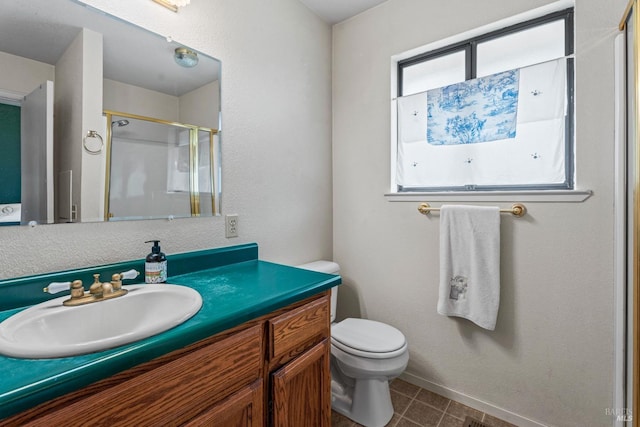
(517, 209)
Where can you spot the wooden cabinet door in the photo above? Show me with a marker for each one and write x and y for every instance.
(301, 390)
(242, 409)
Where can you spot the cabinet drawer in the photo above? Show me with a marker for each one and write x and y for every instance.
(171, 394)
(292, 332)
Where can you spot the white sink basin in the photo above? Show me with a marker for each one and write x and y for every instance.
(49, 329)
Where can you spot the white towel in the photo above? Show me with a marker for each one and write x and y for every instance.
(470, 263)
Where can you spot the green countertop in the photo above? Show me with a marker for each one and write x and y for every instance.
(232, 294)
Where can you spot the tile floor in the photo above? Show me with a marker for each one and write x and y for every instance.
(417, 407)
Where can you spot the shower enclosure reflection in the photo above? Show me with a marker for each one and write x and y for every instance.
(160, 169)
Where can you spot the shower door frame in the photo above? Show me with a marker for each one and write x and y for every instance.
(194, 193)
(632, 139)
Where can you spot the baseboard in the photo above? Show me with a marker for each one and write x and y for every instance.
(472, 402)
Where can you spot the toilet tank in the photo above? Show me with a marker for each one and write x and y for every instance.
(328, 267)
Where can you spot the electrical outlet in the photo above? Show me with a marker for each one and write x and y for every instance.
(231, 225)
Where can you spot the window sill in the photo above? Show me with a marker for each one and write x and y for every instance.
(573, 196)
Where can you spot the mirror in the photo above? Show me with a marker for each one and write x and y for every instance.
(70, 78)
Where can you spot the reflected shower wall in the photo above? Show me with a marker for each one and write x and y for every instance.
(158, 169)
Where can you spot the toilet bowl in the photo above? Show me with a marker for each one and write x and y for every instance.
(365, 356)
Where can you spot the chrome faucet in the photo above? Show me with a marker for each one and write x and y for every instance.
(98, 291)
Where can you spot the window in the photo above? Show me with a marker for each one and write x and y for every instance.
(494, 112)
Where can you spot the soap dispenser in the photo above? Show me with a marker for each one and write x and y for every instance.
(155, 266)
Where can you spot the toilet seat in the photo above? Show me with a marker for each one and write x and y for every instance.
(368, 338)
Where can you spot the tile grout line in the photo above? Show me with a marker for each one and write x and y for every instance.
(481, 417)
(412, 399)
(407, 408)
(444, 412)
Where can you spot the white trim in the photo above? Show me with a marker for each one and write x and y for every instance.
(492, 196)
(394, 141)
(472, 402)
(620, 234)
(11, 97)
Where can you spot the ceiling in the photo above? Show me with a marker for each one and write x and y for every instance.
(334, 11)
(43, 29)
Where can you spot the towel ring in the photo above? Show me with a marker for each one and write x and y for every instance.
(96, 135)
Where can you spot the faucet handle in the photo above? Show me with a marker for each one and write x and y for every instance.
(77, 290)
(116, 279)
(130, 274)
(75, 287)
(55, 287)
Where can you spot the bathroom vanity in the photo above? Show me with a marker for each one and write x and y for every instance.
(256, 354)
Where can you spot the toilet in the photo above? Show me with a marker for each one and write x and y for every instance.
(365, 356)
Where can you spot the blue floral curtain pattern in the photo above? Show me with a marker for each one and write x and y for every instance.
(473, 111)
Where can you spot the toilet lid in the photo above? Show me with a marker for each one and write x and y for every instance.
(367, 336)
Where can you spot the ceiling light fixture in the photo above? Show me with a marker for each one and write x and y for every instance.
(173, 4)
(185, 57)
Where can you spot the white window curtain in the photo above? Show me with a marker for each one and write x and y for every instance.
(521, 140)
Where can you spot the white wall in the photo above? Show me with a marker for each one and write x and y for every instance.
(276, 150)
(77, 110)
(550, 359)
(22, 75)
(126, 98)
(68, 115)
(93, 165)
(199, 107)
